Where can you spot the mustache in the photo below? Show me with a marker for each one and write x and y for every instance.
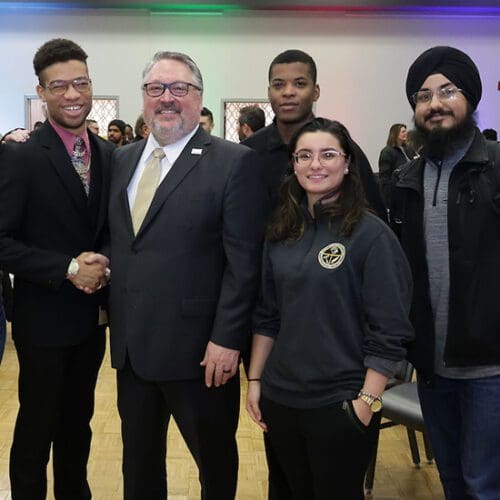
(431, 114)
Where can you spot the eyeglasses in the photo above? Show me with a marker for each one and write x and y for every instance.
(326, 158)
(177, 89)
(60, 87)
(443, 94)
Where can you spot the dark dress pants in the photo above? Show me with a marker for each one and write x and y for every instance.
(323, 452)
(207, 420)
(56, 397)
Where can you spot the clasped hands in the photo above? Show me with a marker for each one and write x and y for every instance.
(93, 272)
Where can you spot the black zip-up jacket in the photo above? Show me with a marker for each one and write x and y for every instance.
(389, 160)
(473, 337)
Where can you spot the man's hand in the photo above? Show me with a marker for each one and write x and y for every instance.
(221, 363)
(18, 135)
(92, 275)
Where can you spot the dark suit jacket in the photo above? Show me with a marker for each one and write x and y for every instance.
(45, 220)
(192, 272)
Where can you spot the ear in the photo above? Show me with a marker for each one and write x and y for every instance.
(316, 92)
(245, 128)
(39, 91)
(346, 168)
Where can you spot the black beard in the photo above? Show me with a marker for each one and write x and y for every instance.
(439, 142)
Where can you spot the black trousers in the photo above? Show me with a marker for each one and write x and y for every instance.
(56, 398)
(324, 452)
(207, 420)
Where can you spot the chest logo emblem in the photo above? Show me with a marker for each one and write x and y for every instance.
(332, 255)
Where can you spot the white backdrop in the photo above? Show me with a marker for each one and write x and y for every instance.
(362, 60)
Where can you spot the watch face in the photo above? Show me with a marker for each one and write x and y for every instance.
(73, 268)
(376, 406)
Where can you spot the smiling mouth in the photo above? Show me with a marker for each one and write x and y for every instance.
(438, 116)
(73, 107)
(166, 111)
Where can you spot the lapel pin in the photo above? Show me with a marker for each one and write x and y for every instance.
(196, 151)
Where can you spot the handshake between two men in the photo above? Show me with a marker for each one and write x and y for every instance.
(89, 272)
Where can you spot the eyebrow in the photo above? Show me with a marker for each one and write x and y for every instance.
(444, 85)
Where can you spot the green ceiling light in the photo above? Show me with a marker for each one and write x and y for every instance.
(209, 9)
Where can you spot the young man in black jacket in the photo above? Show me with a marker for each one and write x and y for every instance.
(446, 212)
(292, 92)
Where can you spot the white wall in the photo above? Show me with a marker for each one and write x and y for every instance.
(362, 61)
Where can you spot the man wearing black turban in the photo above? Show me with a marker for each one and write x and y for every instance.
(455, 258)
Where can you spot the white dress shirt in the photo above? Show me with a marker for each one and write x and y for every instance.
(172, 152)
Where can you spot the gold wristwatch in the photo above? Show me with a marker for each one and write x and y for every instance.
(374, 402)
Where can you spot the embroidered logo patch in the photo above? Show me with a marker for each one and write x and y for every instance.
(332, 255)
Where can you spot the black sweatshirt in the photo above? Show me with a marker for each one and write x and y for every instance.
(335, 307)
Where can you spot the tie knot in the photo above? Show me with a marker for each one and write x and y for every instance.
(159, 153)
(79, 144)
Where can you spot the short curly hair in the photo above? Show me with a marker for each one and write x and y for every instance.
(56, 51)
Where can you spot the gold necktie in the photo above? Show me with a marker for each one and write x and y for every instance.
(147, 188)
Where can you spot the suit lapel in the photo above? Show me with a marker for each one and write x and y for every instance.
(61, 162)
(99, 184)
(195, 149)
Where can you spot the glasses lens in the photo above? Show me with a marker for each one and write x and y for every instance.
(154, 89)
(447, 93)
(82, 85)
(422, 96)
(303, 158)
(58, 87)
(179, 89)
(328, 157)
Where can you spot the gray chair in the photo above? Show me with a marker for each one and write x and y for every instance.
(401, 406)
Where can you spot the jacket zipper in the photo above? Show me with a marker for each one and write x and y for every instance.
(434, 198)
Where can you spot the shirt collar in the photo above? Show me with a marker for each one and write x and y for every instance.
(69, 138)
(172, 151)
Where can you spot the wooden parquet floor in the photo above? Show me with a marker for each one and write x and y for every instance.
(396, 477)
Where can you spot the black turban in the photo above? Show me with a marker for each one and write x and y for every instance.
(454, 64)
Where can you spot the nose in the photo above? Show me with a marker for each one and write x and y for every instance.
(289, 89)
(435, 102)
(315, 163)
(71, 93)
(167, 96)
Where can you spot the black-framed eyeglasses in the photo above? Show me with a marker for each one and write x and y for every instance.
(60, 87)
(177, 89)
(326, 158)
(443, 94)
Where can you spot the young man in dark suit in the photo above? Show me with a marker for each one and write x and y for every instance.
(53, 199)
(186, 216)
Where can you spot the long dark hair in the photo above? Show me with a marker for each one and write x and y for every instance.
(288, 221)
(393, 138)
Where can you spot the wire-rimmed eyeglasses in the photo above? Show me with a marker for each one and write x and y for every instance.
(326, 158)
(443, 94)
(60, 87)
